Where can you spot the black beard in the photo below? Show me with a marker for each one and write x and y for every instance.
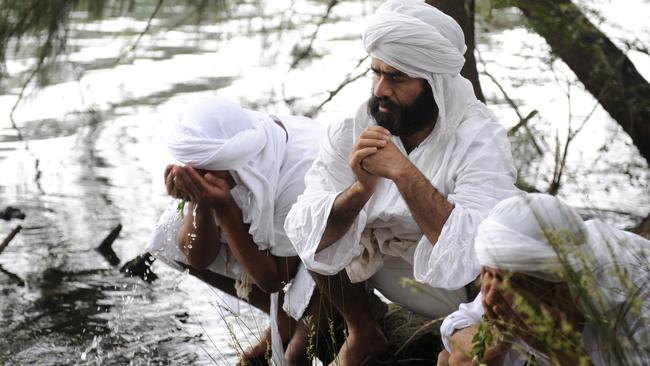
(406, 120)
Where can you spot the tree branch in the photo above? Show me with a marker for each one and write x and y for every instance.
(9, 237)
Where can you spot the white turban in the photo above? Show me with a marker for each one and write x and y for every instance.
(539, 235)
(607, 269)
(423, 42)
(217, 134)
(524, 234)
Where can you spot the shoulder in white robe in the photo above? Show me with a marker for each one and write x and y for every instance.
(473, 170)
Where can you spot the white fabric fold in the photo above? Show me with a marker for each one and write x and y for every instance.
(298, 295)
(277, 348)
(376, 244)
(467, 314)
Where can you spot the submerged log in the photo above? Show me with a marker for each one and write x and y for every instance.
(9, 237)
(19, 281)
(11, 213)
(106, 247)
(140, 266)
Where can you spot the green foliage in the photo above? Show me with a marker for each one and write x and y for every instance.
(45, 20)
(181, 208)
(311, 336)
(40, 28)
(481, 341)
(605, 297)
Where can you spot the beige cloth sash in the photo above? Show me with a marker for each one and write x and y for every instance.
(375, 245)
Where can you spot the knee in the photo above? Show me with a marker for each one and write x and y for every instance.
(296, 356)
(459, 358)
(269, 285)
(443, 358)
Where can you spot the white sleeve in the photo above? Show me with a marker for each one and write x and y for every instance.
(467, 314)
(162, 240)
(328, 177)
(485, 176)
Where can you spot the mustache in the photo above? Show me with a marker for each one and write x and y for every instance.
(384, 102)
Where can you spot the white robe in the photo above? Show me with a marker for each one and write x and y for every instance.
(473, 170)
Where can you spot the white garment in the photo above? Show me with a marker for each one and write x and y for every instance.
(421, 299)
(473, 170)
(525, 233)
(209, 122)
(466, 157)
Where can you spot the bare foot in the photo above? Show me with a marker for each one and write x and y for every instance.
(285, 325)
(361, 346)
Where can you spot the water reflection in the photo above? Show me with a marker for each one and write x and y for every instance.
(96, 157)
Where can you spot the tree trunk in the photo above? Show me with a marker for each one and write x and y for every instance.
(603, 68)
(463, 13)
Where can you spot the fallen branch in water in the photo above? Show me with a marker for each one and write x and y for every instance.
(106, 249)
(11, 213)
(9, 237)
(13, 277)
(140, 266)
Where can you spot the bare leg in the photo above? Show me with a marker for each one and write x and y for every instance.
(257, 298)
(296, 352)
(365, 338)
(316, 333)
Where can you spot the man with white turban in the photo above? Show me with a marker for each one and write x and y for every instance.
(242, 170)
(398, 190)
(561, 290)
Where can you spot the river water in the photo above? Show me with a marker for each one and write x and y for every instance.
(92, 156)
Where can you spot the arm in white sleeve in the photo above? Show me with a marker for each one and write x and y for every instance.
(467, 314)
(485, 176)
(306, 222)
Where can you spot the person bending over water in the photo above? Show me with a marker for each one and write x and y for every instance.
(240, 173)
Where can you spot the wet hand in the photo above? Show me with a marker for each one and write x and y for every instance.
(171, 186)
(371, 140)
(207, 189)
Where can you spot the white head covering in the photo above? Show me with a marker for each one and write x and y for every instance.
(607, 269)
(539, 235)
(524, 234)
(217, 134)
(423, 42)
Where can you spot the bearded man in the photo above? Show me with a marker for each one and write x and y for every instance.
(398, 191)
